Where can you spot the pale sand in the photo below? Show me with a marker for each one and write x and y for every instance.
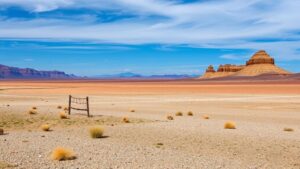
(260, 111)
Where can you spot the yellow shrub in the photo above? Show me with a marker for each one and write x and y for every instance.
(179, 113)
(32, 112)
(190, 113)
(96, 131)
(126, 120)
(66, 108)
(229, 125)
(45, 127)
(288, 129)
(61, 153)
(63, 115)
(170, 118)
(205, 117)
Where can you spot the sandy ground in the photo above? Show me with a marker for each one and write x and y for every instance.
(260, 111)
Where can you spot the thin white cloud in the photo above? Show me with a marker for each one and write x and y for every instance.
(215, 24)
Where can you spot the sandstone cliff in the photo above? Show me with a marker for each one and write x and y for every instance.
(259, 63)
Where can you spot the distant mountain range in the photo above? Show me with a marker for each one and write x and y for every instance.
(7, 72)
(130, 75)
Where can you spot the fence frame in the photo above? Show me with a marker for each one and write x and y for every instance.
(86, 100)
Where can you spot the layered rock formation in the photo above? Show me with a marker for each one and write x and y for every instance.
(7, 72)
(259, 63)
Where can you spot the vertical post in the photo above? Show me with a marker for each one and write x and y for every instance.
(87, 106)
(69, 109)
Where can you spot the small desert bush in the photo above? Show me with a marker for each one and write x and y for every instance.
(229, 125)
(190, 113)
(31, 112)
(61, 154)
(45, 127)
(96, 131)
(288, 129)
(34, 108)
(125, 120)
(132, 110)
(63, 115)
(59, 107)
(66, 109)
(170, 118)
(1, 131)
(205, 117)
(179, 113)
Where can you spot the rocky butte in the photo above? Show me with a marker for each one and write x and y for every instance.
(259, 63)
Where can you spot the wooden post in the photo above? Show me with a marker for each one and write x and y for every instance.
(69, 109)
(87, 106)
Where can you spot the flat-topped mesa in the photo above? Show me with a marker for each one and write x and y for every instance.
(260, 57)
(230, 68)
(260, 63)
(210, 68)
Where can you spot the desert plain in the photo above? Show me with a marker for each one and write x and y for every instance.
(260, 110)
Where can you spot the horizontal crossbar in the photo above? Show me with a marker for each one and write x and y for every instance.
(79, 109)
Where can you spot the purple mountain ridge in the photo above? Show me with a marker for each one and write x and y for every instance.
(7, 72)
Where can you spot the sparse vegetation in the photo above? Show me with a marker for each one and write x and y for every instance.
(1, 131)
(32, 112)
(61, 154)
(132, 110)
(63, 115)
(59, 107)
(6, 165)
(190, 113)
(96, 131)
(34, 108)
(179, 113)
(158, 145)
(126, 120)
(45, 127)
(229, 125)
(205, 117)
(288, 129)
(14, 120)
(170, 118)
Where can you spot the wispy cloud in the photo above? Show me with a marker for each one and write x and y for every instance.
(234, 24)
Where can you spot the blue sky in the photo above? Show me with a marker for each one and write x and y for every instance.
(93, 37)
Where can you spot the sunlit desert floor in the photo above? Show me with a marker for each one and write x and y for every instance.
(260, 112)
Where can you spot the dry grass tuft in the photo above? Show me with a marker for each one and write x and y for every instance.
(190, 113)
(59, 107)
(132, 110)
(32, 112)
(288, 129)
(34, 108)
(170, 118)
(96, 131)
(63, 115)
(61, 154)
(125, 120)
(179, 113)
(45, 127)
(1, 131)
(229, 125)
(205, 117)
